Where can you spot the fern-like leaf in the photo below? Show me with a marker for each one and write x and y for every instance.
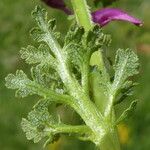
(37, 121)
(20, 82)
(39, 55)
(126, 65)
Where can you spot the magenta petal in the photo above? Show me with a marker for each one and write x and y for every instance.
(58, 4)
(106, 15)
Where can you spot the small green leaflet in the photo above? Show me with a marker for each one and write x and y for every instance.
(126, 65)
(37, 121)
(39, 55)
(19, 82)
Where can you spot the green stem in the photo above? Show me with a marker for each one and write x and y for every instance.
(106, 137)
(82, 13)
(83, 17)
(104, 132)
(110, 141)
(80, 129)
(92, 117)
(62, 128)
(85, 77)
(51, 95)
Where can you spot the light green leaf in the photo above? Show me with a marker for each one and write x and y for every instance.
(23, 85)
(126, 65)
(48, 78)
(37, 34)
(115, 91)
(40, 15)
(37, 121)
(18, 81)
(41, 32)
(39, 55)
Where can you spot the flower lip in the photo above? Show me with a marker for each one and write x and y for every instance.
(58, 4)
(106, 15)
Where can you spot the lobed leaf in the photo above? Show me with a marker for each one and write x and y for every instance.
(40, 55)
(37, 121)
(115, 91)
(41, 32)
(19, 82)
(126, 65)
(80, 45)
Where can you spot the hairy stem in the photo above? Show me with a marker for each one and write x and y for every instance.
(82, 13)
(62, 128)
(85, 77)
(110, 142)
(106, 137)
(104, 133)
(51, 95)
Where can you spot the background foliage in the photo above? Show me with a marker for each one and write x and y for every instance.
(15, 22)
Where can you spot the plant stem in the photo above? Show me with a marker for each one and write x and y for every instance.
(106, 137)
(92, 117)
(110, 141)
(63, 128)
(85, 77)
(82, 13)
(83, 17)
(104, 132)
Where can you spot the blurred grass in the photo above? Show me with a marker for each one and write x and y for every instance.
(15, 23)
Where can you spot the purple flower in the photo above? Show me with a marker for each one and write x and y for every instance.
(106, 15)
(102, 16)
(58, 4)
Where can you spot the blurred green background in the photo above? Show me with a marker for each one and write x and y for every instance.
(15, 23)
